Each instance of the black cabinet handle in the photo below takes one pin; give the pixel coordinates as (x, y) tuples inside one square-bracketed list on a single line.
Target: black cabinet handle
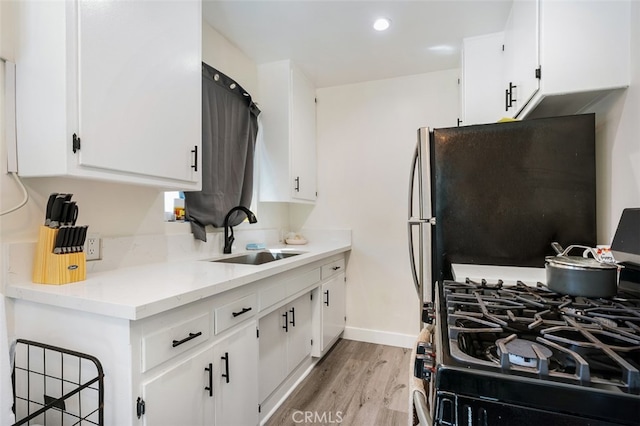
[(226, 365), (186, 339), (243, 311), (210, 387), (506, 99), (293, 316), (286, 322), (297, 188), (335, 268), (326, 293), (511, 98), (194, 166)]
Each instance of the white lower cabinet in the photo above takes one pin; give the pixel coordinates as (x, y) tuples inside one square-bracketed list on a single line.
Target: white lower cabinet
[(213, 386), (285, 341), (179, 395), (209, 362), (329, 308), (333, 310)]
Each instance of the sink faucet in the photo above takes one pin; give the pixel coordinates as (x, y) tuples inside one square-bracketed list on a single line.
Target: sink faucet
[(228, 239)]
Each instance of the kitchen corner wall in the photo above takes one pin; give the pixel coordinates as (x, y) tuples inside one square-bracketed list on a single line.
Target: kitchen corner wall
[(618, 144), (366, 138)]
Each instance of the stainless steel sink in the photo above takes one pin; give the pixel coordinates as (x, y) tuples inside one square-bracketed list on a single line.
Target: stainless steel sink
[(257, 258)]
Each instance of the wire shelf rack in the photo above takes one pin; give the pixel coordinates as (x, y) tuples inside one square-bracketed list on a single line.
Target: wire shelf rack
[(54, 386)]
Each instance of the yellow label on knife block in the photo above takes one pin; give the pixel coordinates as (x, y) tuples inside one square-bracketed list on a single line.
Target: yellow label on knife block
[(50, 268)]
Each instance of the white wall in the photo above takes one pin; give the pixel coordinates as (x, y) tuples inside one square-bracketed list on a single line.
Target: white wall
[(366, 138), (618, 144)]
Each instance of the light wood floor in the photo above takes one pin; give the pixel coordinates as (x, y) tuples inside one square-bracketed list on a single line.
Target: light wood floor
[(357, 383)]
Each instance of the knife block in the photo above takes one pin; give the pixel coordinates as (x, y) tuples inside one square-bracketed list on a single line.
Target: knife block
[(50, 268)]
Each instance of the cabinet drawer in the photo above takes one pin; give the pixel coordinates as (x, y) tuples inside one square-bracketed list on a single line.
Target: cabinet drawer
[(271, 295), (302, 282), (164, 344), (235, 312), (332, 268)]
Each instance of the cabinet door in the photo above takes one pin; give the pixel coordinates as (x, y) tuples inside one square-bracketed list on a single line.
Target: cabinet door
[(139, 87), (482, 79), (299, 331), (178, 395), (333, 309), (273, 351), (235, 387), (303, 137), (521, 48)]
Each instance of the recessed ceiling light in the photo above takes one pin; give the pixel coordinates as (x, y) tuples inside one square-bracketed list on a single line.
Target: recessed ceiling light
[(381, 24)]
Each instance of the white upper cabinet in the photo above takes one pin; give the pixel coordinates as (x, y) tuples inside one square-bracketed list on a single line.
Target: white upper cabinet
[(482, 68), (581, 49), (288, 122), (124, 77), (521, 60)]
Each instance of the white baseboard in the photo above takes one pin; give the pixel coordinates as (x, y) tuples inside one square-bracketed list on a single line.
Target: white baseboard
[(380, 337)]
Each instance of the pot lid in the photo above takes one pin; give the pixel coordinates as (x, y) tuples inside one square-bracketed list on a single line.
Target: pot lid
[(579, 262)]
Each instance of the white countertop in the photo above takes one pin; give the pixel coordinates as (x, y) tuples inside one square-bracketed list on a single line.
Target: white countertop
[(141, 291)]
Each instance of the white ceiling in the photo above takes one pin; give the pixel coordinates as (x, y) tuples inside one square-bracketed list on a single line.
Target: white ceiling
[(333, 42)]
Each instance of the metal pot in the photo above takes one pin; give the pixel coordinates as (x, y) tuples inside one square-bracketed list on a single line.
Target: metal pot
[(580, 275)]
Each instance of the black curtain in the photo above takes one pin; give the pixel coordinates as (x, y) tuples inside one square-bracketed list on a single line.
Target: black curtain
[(229, 130)]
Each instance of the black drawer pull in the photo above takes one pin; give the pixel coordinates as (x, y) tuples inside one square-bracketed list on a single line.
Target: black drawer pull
[(326, 293), (293, 316), (210, 387), (335, 268), (186, 339), (243, 311), (286, 322)]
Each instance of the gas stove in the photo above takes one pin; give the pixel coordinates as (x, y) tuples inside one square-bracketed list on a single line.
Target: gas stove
[(522, 354), (534, 332)]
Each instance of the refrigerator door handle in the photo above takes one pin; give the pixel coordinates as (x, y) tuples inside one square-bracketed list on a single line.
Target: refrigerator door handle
[(412, 257)]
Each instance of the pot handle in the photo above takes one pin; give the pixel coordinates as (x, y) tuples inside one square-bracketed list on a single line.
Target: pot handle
[(586, 251)]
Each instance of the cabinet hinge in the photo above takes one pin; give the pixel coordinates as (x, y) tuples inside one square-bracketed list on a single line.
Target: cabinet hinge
[(140, 407), (539, 73), (75, 143)]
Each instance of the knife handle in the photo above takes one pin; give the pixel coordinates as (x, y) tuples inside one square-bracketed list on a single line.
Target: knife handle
[(65, 213), (52, 198), (83, 236), (60, 237), (56, 211)]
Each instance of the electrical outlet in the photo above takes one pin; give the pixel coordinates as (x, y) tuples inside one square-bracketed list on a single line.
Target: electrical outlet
[(92, 247)]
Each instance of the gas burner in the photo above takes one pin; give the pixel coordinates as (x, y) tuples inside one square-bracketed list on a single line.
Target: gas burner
[(521, 352)]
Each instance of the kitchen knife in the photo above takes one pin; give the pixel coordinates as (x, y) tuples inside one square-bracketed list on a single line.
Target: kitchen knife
[(67, 240), (64, 213), (83, 236), (69, 213), (56, 211), (73, 240), (52, 198), (60, 237)]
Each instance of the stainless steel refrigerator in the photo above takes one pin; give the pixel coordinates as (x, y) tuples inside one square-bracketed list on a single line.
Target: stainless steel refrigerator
[(500, 194)]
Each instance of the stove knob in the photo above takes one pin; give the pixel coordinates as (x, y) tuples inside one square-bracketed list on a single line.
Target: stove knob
[(428, 313), (424, 348), (424, 366)]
